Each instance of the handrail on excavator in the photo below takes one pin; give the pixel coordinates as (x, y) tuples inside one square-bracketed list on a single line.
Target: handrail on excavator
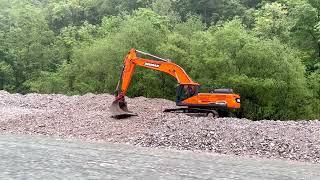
[(151, 55)]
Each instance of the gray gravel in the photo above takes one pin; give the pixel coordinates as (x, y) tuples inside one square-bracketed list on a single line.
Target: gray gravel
[(87, 117)]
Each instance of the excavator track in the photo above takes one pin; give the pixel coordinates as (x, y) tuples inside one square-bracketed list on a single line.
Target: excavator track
[(194, 112)]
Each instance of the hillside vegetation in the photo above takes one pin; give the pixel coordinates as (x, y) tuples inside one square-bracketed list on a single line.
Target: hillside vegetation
[(267, 51)]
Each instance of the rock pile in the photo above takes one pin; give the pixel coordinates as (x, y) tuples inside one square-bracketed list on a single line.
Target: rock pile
[(87, 117)]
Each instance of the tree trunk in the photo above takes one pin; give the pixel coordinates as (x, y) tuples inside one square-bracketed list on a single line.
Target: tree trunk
[(316, 40), (318, 49)]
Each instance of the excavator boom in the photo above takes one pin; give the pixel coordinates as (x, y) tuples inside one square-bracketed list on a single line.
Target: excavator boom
[(159, 64)]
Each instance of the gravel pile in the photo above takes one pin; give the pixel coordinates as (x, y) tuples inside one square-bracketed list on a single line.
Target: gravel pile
[(87, 117)]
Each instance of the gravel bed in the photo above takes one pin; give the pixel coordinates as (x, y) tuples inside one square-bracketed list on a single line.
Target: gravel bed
[(87, 117)]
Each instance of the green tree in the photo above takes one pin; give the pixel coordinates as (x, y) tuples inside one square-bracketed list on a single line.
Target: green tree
[(210, 10), (262, 71), (314, 84), (28, 42), (95, 67), (272, 21), (304, 32), (6, 76)]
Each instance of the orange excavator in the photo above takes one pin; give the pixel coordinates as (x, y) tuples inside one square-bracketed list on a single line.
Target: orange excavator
[(188, 95)]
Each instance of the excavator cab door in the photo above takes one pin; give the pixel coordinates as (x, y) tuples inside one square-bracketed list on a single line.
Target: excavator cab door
[(185, 91)]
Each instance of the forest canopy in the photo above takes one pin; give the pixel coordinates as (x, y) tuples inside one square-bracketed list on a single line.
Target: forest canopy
[(268, 51)]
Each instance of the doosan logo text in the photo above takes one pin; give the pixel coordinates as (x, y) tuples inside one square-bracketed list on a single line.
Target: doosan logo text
[(152, 65)]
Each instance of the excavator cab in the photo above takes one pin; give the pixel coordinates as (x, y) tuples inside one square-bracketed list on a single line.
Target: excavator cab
[(185, 91)]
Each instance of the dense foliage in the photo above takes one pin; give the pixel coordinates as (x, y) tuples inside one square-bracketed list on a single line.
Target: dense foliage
[(266, 50)]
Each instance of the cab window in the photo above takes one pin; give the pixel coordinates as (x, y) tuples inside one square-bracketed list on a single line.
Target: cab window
[(186, 91)]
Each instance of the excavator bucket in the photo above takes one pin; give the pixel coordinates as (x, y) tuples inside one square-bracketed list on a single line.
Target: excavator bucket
[(119, 110)]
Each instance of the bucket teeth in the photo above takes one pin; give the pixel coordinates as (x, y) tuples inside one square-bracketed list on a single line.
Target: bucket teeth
[(119, 110)]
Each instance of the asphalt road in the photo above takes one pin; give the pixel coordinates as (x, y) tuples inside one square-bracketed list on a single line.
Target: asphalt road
[(27, 157)]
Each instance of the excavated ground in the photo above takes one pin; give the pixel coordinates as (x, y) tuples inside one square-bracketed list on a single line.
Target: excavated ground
[(87, 117)]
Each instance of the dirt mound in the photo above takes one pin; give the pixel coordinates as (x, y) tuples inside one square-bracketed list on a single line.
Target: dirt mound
[(88, 117)]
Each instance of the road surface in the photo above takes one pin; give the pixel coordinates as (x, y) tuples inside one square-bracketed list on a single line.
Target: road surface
[(29, 157)]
